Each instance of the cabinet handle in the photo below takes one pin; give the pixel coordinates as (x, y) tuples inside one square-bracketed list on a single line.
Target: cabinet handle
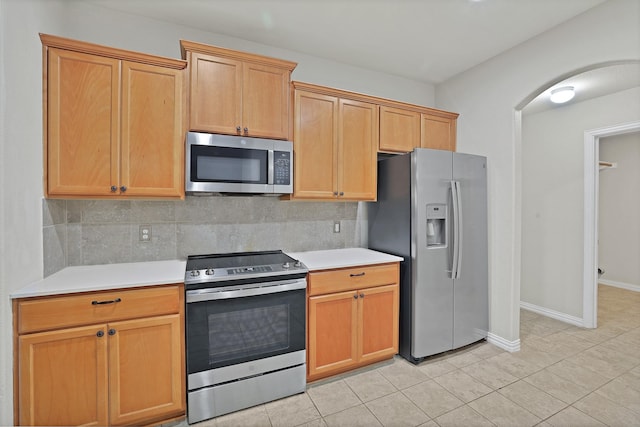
[(355, 296), (112, 331), (341, 193), (100, 334), (335, 193), (246, 131), (112, 301), (238, 129), (114, 188), (358, 274), (123, 188), (361, 295)]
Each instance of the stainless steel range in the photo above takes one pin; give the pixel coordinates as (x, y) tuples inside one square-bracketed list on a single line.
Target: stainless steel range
[(245, 331)]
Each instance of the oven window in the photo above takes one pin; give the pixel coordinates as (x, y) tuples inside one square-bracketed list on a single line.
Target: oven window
[(230, 331), (247, 333), (222, 164)]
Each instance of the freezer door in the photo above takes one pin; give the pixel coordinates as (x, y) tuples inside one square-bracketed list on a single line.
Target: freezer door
[(471, 306), (432, 286)]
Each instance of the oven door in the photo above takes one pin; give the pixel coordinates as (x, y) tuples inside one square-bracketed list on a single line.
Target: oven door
[(236, 326)]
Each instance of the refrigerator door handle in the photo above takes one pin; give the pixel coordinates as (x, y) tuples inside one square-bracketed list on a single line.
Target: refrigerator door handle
[(459, 228), (456, 236)]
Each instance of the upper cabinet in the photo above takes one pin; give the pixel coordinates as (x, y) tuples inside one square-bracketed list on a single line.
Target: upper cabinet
[(404, 127), (438, 131), (335, 145), (337, 136), (238, 93), (114, 122), (399, 129)]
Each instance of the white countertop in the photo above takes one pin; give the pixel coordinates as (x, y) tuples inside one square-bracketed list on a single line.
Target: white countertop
[(138, 274), (104, 277), (340, 258)]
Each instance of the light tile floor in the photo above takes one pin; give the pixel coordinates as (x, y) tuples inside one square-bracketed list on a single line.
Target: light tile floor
[(563, 376)]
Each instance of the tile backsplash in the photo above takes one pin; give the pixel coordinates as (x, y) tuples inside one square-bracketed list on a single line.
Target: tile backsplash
[(86, 232)]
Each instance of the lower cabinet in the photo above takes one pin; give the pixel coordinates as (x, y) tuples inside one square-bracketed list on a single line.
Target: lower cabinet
[(118, 372), (64, 377), (353, 318), (144, 369)]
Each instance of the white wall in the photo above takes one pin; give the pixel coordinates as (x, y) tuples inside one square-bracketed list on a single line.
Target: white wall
[(5, 315), (619, 211), (486, 97), (21, 119), (553, 197)]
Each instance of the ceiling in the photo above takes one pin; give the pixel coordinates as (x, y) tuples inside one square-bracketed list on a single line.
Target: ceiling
[(423, 40)]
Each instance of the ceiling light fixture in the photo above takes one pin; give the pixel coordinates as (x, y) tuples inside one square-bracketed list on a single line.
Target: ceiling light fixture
[(562, 94)]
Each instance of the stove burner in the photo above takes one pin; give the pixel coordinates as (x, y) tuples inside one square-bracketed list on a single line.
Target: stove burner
[(232, 266)]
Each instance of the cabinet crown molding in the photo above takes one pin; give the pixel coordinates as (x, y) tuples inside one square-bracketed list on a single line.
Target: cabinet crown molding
[(110, 52), (309, 87), (189, 46)]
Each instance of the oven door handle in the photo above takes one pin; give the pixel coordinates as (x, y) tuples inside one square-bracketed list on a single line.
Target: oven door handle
[(199, 295)]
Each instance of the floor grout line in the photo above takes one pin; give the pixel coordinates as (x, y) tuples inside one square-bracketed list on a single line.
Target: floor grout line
[(552, 338)]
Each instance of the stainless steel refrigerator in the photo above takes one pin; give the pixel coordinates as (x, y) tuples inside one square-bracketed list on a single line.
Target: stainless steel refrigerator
[(432, 211)]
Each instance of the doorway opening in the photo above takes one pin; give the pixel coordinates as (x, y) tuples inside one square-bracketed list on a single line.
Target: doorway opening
[(591, 191)]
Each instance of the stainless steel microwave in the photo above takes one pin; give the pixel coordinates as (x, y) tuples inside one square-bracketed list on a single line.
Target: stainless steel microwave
[(235, 164)]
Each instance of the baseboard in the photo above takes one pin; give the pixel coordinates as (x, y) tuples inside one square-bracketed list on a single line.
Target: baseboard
[(510, 346), (622, 285), (566, 318)]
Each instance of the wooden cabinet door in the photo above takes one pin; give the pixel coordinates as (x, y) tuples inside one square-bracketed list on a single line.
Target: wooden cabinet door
[(357, 154), (399, 130), (314, 146), (265, 101), (438, 132), (82, 123), (63, 377), (145, 365), (216, 94), (332, 333), (378, 322), (152, 141)]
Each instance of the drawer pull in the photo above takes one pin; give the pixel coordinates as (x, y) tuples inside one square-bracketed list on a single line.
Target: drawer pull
[(112, 301), (358, 275), (361, 295), (100, 334), (112, 332)]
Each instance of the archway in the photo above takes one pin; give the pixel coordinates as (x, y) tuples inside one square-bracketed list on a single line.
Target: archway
[(586, 275)]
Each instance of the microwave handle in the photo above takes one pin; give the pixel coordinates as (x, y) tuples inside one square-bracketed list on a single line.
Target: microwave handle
[(270, 168)]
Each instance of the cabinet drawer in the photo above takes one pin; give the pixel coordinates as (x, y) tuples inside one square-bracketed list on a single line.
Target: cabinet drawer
[(345, 279), (39, 314)]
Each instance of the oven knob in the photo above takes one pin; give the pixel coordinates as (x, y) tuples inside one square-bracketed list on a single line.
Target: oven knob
[(195, 273), (297, 264), (286, 265), (209, 272)]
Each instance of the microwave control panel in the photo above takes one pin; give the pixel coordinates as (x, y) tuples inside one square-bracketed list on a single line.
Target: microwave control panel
[(282, 167)]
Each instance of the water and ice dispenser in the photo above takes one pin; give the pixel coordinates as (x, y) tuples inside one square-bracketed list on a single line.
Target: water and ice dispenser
[(436, 225)]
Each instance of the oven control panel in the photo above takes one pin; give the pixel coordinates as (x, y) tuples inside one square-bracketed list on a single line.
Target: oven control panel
[(245, 270), (244, 266)]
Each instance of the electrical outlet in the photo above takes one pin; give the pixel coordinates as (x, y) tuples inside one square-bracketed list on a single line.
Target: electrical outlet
[(336, 226), (144, 234)]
